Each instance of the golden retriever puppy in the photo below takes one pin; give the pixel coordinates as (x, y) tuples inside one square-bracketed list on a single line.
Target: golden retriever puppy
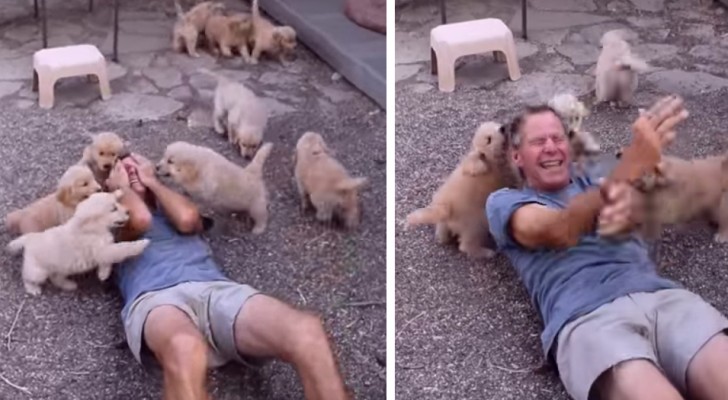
[(457, 208), (75, 185), (225, 33), (84, 243), (101, 155), (324, 183), (276, 41), (572, 111), (189, 25), (212, 179), (240, 113), (683, 191), (617, 69)]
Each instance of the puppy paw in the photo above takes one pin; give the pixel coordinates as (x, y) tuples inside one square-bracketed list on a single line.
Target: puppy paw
[(66, 285), (481, 253), (258, 229), (32, 289), (253, 61), (721, 237), (104, 273)]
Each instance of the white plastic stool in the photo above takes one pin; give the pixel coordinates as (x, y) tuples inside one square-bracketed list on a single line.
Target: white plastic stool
[(450, 41), (52, 64)]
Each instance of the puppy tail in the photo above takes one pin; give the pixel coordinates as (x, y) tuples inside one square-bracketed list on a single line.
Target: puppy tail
[(255, 11), (17, 245), (256, 165), (180, 11), (429, 215), (351, 184), (630, 61)]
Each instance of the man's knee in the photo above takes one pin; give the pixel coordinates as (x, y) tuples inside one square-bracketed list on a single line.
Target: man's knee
[(635, 379), (183, 353), (308, 333)]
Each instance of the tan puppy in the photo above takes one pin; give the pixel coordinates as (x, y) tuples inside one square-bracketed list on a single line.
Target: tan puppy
[(277, 41), (101, 155), (457, 208), (225, 33), (189, 25), (83, 243), (687, 190), (617, 69), (224, 186), (75, 185), (240, 113), (324, 183)]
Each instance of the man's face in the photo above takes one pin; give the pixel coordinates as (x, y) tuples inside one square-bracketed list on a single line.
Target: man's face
[(543, 154)]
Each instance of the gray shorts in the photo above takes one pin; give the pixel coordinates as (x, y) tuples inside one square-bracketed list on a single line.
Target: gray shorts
[(212, 307), (649, 326)]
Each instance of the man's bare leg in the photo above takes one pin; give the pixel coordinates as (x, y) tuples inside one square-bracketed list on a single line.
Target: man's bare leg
[(266, 327), (635, 380), (181, 350), (707, 375)]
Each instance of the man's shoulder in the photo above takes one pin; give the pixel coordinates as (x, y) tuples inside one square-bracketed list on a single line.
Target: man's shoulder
[(505, 196)]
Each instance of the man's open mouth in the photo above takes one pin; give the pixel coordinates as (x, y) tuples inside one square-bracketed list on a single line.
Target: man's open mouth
[(551, 164)]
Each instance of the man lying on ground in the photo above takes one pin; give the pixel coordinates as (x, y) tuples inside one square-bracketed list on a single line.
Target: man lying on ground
[(615, 329)]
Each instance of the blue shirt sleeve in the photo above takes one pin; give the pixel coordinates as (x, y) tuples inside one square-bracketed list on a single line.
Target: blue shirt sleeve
[(499, 209)]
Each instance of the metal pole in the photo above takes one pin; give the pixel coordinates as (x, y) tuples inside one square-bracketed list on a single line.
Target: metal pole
[(442, 11), (90, 5), (45, 26), (116, 31), (523, 17), (35, 8)]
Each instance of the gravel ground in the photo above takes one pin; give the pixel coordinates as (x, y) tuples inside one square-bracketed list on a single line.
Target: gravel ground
[(466, 329), (71, 345)]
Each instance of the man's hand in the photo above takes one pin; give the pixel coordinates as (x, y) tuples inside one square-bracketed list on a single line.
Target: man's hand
[(118, 178), (662, 117), (145, 169), (622, 211)]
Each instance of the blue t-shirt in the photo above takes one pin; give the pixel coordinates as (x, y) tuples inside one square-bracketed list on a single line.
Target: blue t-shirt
[(566, 284), (169, 259)]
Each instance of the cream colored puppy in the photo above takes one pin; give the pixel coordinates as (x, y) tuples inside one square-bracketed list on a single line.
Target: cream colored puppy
[(240, 113), (83, 243), (75, 185), (189, 25), (572, 111), (225, 33), (101, 155), (617, 69), (457, 207), (324, 183), (212, 179), (276, 41), (683, 191)]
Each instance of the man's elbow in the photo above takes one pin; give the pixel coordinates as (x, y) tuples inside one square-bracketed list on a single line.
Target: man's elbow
[(140, 222), (190, 222)]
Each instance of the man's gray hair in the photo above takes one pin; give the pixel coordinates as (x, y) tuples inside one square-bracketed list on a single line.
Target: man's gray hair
[(514, 128)]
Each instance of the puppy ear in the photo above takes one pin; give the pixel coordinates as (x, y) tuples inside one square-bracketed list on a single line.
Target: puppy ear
[(64, 196), (86, 155), (351, 184), (475, 163)]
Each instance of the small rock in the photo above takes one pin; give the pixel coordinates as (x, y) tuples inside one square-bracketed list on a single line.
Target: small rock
[(335, 76)]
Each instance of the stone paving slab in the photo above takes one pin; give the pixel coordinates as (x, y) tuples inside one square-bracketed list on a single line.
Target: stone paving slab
[(357, 53)]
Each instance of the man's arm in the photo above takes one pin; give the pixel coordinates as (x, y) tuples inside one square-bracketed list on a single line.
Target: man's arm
[(183, 213)]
